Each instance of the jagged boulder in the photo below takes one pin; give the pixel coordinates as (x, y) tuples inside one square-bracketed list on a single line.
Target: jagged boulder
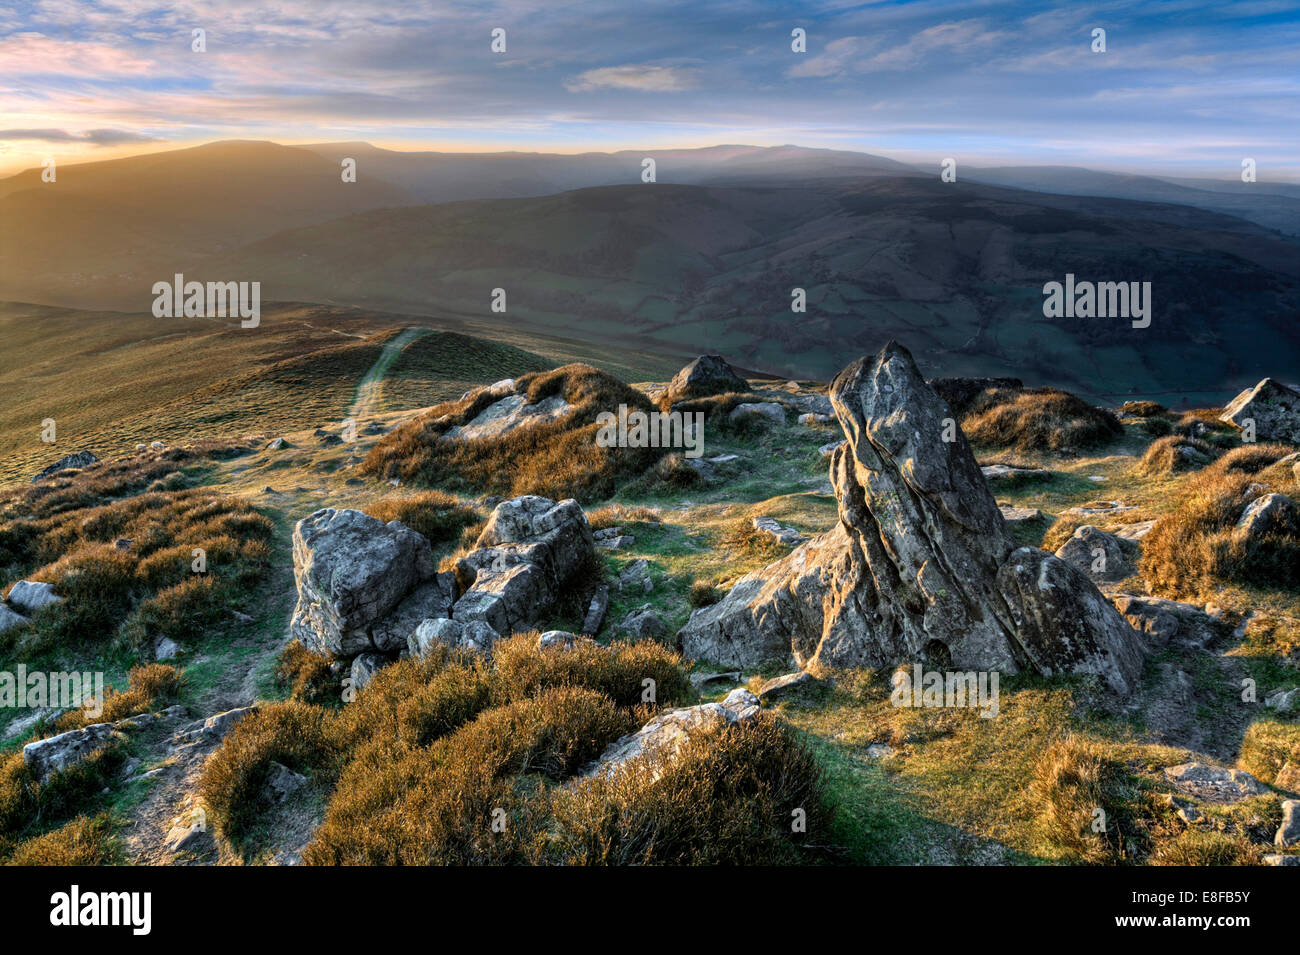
[(668, 732), (706, 375), (1101, 555), (80, 459), (1273, 406), (530, 550), (46, 757), (363, 585), (29, 596), (920, 566)]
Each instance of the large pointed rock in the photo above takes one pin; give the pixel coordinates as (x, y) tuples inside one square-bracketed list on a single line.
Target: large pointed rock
[(1272, 406), (920, 566)]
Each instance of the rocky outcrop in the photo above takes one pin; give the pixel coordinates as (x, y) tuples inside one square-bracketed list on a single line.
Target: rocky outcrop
[(362, 583), (668, 732), (9, 619), (920, 566), (706, 375), (81, 459), (770, 413), (1100, 555), (1213, 783), (511, 412), (29, 596), (1164, 622), (530, 550), (1273, 406), (48, 756)]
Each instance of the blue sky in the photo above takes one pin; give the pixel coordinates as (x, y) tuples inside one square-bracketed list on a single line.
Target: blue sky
[(1184, 87)]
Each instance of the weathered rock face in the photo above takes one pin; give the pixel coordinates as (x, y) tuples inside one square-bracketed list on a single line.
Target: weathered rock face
[(29, 596), (529, 550), (81, 459), (9, 619), (509, 413), (707, 375), (48, 756), (1100, 555), (920, 566), (354, 571), (668, 732), (1274, 407)]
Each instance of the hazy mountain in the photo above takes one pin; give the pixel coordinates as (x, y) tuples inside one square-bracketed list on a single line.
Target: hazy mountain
[(953, 270), (1270, 204)]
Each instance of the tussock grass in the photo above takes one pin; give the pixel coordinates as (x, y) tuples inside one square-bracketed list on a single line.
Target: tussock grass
[(618, 671), (307, 675), (1143, 409), (86, 840), (1268, 746), (1197, 847), (1037, 419), (439, 516), (1197, 546), (29, 809), (65, 536), (728, 797), (557, 459), (1073, 780), (150, 687), (1251, 459), (1174, 454)]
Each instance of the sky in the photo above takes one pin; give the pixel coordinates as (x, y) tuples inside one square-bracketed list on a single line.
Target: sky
[(1184, 87)]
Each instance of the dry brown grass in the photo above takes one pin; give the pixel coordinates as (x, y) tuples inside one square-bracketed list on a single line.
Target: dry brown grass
[(86, 840), (730, 796), (1268, 746), (1197, 545), (1086, 803), (440, 517), (29, 809), (557, 459), (307, 675), (1251, 459), (150, 687), (1172, 455), (1196, 847), (1038, 419), (65, 535), (1142, 409)]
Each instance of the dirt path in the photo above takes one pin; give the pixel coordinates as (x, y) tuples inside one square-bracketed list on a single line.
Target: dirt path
[(369, 386)]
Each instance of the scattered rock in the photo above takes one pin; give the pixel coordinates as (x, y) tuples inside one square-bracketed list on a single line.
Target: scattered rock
[(1279, 859), (1006, 473), (469, 635), (1098, 509), (166, 649), (528, 552), (810, 418), (184, 838), (644, 624), (699, 680), (920, 564), (784, 535), (830, 448), (1135, 532), (28, 596), (1213, 783), (365, 666), (352, 571), (1162, 622), (282, 782), (511, 412), (1272, 513), (48, 756), (706, 375), (1019, 516), (636, 576), (123, 543), (771, 412), (76, 461), (275, 444), (1288, 834), (665, 735), (157, 445), (1100, 555), (615, 541), (1273, 406), (881, 751), (596, 611), (783, 686)]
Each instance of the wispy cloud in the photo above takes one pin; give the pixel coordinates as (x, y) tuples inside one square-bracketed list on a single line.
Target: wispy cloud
[(646, 78)]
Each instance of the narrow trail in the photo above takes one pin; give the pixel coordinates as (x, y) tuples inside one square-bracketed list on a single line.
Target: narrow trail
[(368, 387)]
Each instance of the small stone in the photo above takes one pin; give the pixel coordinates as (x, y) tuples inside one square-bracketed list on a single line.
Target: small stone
[(1288, 834)]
